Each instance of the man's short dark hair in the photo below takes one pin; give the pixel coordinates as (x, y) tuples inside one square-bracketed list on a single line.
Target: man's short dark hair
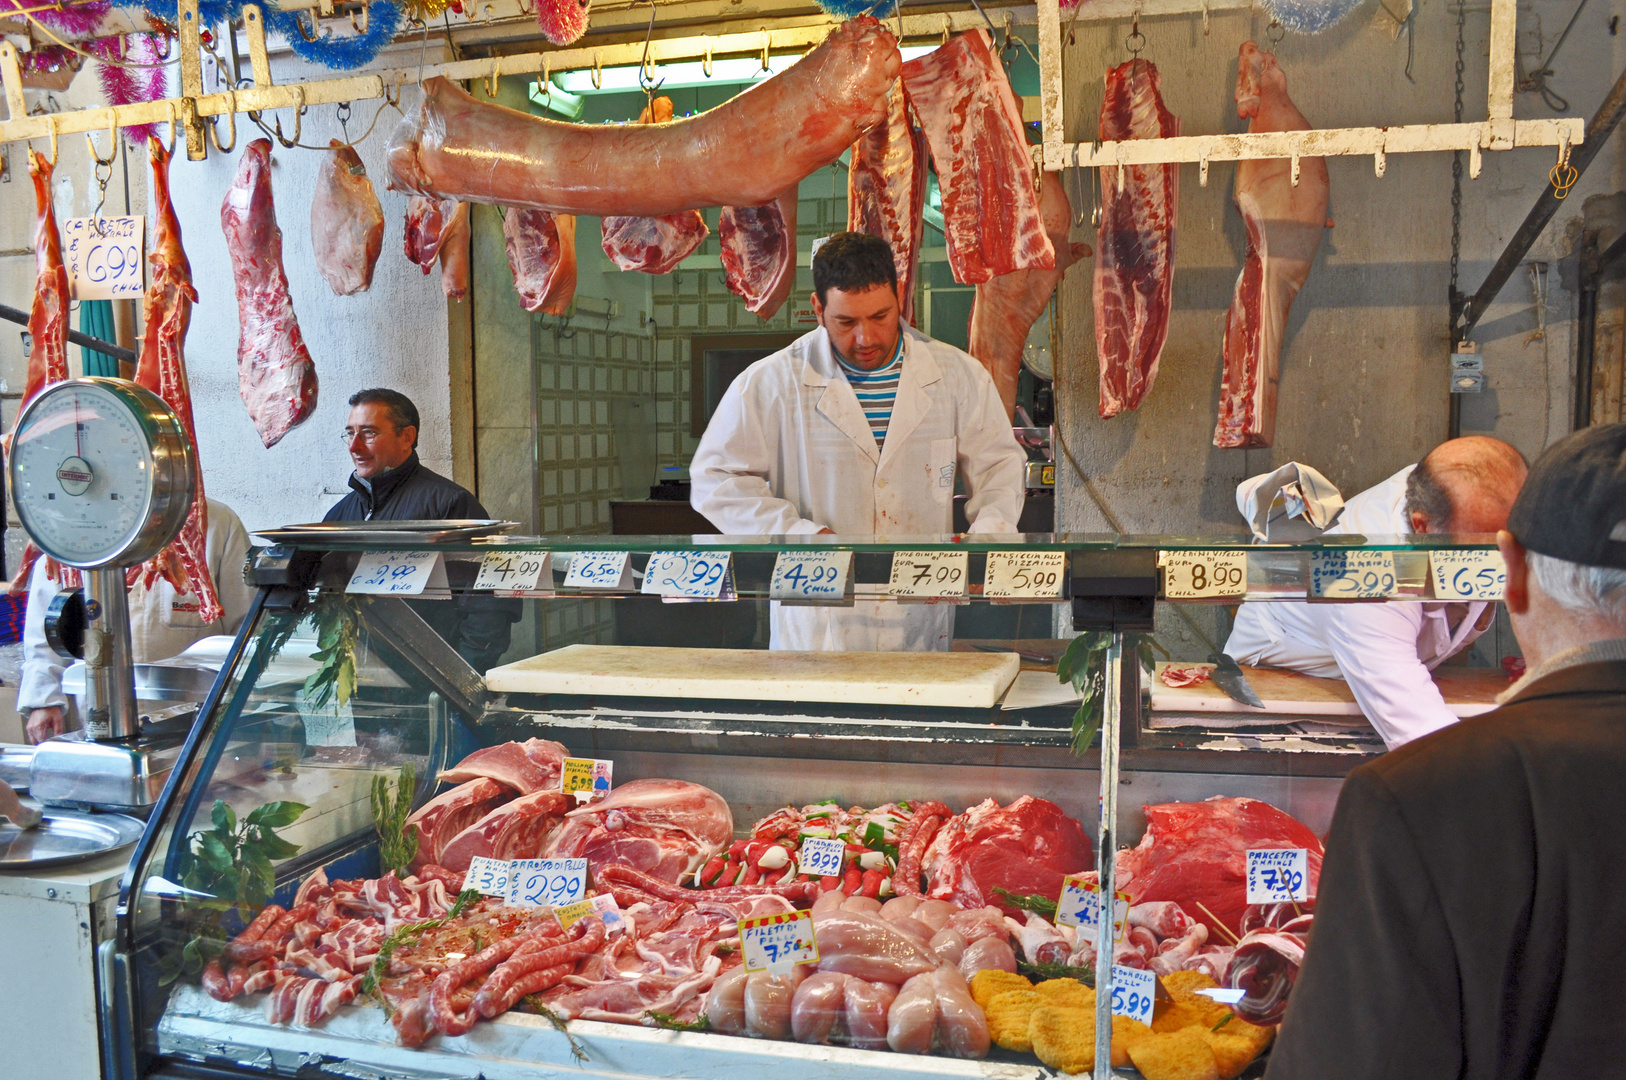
[(853, 262), (1427, 496), (401, 410)]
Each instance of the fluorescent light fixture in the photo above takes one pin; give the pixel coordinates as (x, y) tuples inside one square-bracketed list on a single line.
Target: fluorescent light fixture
[(555, 100), (685, 73)]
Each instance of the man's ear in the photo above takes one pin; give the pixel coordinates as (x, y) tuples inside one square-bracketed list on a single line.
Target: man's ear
[(818, 308), (1517, 593), (1419, 522)]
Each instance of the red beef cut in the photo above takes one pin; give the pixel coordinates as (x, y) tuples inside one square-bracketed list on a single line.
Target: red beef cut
[(1027, 847), (449, 813), (527, 767)]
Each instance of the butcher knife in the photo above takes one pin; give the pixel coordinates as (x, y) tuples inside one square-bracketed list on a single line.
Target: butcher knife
[(1227, 675)]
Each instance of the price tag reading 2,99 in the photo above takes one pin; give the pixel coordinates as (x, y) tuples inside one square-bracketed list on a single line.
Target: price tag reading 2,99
[(1352, 575), (928, 575), (1133, 991), (397, 573), (698, 575), (778, 942), (811, 576), (1277, 875), (512, 572), (1024, 575), (1194, 575), (546, 882), (1468, 575)]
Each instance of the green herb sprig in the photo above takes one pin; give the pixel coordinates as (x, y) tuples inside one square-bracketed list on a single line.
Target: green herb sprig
[(1028, 902), (672, 1023), (397, 844), (1084, 665), (1055, 971), (408, 935)]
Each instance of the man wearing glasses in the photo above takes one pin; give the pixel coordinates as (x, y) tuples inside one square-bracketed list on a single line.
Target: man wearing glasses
[(390, 484)]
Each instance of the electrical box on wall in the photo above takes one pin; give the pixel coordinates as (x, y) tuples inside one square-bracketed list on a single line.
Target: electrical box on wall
[(1467, 369)]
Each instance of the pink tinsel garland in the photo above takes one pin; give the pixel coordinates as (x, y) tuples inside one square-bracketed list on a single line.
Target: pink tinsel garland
[(77, 20), (125, 85)]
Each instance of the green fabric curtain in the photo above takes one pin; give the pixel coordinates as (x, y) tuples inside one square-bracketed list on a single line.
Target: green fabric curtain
[(96, 319)]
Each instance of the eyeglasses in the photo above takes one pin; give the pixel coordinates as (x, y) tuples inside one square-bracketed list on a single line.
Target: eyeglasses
[(366, 435)]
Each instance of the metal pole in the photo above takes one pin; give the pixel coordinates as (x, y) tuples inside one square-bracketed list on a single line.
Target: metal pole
[(110, 706), (1586, 330), (118, 352), (1105, 853)]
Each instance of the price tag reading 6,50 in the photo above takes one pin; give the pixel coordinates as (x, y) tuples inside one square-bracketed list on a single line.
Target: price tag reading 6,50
[(546, 882), (1277, 875), (779, 942), (599, 570), (1468, 575), (1133, 991)]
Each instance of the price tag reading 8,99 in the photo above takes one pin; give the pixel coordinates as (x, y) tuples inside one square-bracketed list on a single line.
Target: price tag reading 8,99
[(512, 572), (699, 575), (1277, 875), (1352, 575), (811, 576), (928, 575), (1024, 575), (1133, 991), (1193, 575), (779, 942), (1468, 575), (546, 882)]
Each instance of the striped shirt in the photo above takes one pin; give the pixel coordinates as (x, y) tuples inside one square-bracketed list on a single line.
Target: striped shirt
[(876, 389)]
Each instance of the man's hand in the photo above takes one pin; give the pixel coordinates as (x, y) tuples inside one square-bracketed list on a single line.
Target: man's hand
[(44, 723)]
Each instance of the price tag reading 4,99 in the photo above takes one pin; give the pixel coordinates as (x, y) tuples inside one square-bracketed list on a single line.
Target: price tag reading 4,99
[(1468, 575), (1352, 575), (1080, 906), (1024, 575), (928, 575), (512, 571), (811, 575), (1193, 575), (1133, 991), (1277, 875), (546, 882), (779, 942)]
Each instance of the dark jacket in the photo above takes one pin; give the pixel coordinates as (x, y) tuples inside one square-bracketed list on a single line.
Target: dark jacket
[(477, 626), (1471, 920)]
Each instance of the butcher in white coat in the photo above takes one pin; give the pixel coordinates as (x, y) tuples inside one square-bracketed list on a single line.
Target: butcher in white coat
[(859, 428), (1386, 651)]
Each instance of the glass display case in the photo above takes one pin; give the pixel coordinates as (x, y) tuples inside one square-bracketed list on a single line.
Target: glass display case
[(304, 886)]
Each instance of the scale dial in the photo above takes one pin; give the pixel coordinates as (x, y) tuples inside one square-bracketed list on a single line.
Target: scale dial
[(101, 472)]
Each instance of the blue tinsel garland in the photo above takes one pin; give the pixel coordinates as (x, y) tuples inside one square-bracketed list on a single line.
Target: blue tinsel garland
[(847, 9), (331, 50), (1309, 16)]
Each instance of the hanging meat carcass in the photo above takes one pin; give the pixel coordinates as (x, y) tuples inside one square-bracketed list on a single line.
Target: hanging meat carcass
[(758, 246), (347, 223), (166, 312), (1284, 220), (984, 169), (657, 243), (542, 255), (275, 374), (454, 255), (425, 224), (1006, 307), (886, 190), (1134, 249), (742, 153)]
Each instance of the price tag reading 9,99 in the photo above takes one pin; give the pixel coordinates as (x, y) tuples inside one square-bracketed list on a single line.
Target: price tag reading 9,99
[(1024, 575), (546, 882), (1080, 906), (811, 576), (820, 856), (698, 575), (105, 257), (1133, 991), (397, 573), (1468, 575), (928, 575), (779, 942), (513, 572), (1352, 575), (489, 876), (1194, 575), (1277, 875), (609, 570)]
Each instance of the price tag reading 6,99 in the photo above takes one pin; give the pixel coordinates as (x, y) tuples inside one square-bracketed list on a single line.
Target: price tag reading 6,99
[(1193, 575), (104, 257), (928, 575), (546, 882), (779, 942), (1133, 991), (1277, 875)]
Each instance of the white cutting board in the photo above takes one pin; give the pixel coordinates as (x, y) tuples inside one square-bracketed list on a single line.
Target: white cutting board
[(965, 680)]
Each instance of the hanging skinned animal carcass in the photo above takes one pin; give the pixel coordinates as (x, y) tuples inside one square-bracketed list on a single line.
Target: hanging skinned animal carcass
[(758, 246), (974, 128), (1284, 220), (439, 229), (454, 255), (542, 255), (886, 191), (347, 223), (1134, 249), (1006, 307), (166, 311), (275, 374), (742, 153), (655, 244)]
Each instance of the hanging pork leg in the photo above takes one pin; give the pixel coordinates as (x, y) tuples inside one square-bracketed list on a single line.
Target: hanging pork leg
[(347, 223), (542, 254), (758, 245)]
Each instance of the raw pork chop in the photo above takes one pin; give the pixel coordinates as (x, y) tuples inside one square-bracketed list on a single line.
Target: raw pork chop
[(1195, 853), (347, 224), (1026, 847), (530, 766), (519, 829), (665, 828), (449, 813), (1284, 231), (1134, 248), (886, 190), (542, 255), (654, 245), (758, 246), (274, 371), (974, 128)]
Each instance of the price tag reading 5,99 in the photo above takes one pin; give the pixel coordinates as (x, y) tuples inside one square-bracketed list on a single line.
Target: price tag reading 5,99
[(1133, 991), (779, 942), (1193, 575), (928, 575), (1277, 875), (811, 575), (512, 571), (1468, 575), (1352, 575), (546, 882), (1024, 575)]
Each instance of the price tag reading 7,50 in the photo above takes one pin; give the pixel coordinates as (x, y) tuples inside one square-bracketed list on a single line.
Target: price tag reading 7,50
[(1468, 575), (1080, 906), (1277, 875), (1133, 991), (1352, 575), (513, 572), (699, 575), (811, 576), (779, 942), (397, 573), (1193, 575), (928, 575), (546, 882), (1024, 575), (599, 570)]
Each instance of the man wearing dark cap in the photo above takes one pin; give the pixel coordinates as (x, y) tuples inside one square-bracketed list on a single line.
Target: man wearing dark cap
[(1471, 920)]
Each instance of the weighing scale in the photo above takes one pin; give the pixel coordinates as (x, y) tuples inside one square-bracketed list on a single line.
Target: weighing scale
[(103, 477)]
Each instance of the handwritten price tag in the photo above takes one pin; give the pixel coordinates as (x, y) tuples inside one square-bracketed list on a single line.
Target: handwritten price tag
[(586, 777), (1468, 575), (106, 264), (698, 575), (1080, 906), (1276, 875), (1025, 575), (513, 572), (928, 575), (546, 882), (397, 573), (821, 857), (1194, 575), (811, 575), (778, 943), (490, 876), (1133, 991), (599, 570), (1352, 575), (603, 905)]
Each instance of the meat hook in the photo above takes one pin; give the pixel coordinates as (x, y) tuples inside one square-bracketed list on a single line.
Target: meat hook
[(1476, 161), (299, 113), (767, 39), (50, 123), (1136, 41), (1205, 18), (493, 78), (1274, 33), (1295, 172), (598, 72), (705, 63), (1380, 160), (112, 143), (103, 171), (947, 24), (1202, 171), (231, 121), (174, 123), (1563, 175), (366, 18), (299, 24), (646, 70)]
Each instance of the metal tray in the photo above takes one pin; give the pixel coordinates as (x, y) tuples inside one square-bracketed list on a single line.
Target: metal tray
[(388, 532), (65, 836)]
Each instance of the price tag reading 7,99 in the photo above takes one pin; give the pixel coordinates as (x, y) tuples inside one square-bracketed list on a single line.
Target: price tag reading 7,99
[(811, 576), (1133, 991), (513, 572), (609, 570), (698, 575), (1080, 906), (1024, 575), (546, 882), (1352, 575), (1468, 575), (928, 575), (779, 942), (397, 573), (1193, 575), (1277, 875)]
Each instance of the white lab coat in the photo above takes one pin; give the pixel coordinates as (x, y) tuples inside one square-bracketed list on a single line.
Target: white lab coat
[(788, 452), (162, 624), (1385, 651)]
